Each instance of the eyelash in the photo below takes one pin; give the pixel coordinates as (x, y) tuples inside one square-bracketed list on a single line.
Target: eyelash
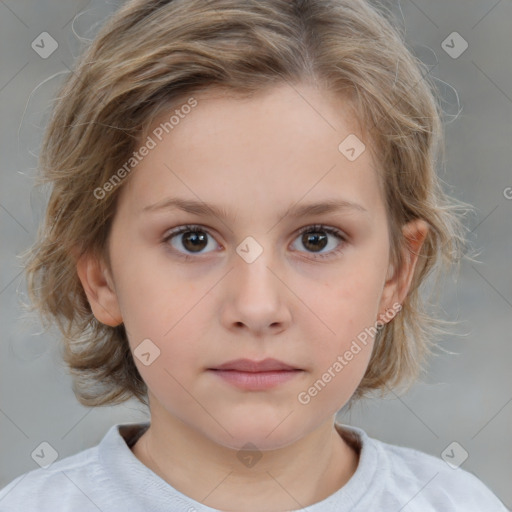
[(194, 228)]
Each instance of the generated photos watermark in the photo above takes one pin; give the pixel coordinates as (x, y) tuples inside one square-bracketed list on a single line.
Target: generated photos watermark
[(150, 143), (304, 397)]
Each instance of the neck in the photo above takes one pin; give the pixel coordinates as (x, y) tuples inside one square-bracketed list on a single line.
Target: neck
[(322, 462)]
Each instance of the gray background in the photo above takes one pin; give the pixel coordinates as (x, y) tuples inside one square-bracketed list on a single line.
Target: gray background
[(466, 397)]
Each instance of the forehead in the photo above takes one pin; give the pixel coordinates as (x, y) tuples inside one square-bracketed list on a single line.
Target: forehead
[(280, 146)]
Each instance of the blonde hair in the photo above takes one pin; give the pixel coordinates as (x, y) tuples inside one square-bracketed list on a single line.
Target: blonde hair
[(153, 54)]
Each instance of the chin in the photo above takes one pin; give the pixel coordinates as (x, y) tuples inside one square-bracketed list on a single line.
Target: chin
[(261, 432)]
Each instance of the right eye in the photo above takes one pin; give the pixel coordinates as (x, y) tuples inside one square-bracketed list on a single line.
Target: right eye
[(189, 239)]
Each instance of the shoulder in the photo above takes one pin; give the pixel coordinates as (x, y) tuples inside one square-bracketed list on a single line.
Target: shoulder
[(71, 483), (44, 489), (409, 478)]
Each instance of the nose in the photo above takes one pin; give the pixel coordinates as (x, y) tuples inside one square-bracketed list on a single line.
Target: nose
[(256, 297)]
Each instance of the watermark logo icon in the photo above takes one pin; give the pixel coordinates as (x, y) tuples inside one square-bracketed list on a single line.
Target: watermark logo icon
[(44, 45), (454, 455), (45, 455), (249, 249), (454, 45), (249, 455), (146, 352), (352, 147)]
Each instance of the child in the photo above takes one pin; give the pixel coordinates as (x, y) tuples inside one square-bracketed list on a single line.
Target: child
[(260, 128)]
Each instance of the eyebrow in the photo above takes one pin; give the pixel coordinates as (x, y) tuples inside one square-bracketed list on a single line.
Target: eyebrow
[(297, 211)]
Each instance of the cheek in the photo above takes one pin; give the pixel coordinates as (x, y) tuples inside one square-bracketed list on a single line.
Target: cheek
[(349, 303), (335, 381), (165, 308), (348, 306), (154, 294), (342, 355)]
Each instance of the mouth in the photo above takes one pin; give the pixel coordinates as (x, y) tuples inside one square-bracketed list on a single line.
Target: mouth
[(256, 375)]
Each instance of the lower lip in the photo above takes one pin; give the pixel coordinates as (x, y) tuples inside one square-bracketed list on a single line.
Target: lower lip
[(256, 381)]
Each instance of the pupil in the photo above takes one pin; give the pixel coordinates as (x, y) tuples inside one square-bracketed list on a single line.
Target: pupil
[(315, 238), (193, 240)]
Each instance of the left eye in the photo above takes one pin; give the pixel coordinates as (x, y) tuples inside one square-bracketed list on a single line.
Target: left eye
[(194, 240), (316, 238)]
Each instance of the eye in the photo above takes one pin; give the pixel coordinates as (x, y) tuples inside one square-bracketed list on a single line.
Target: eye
[(193, 239), (316, 238)]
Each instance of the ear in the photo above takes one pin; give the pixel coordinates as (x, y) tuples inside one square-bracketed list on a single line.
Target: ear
[(99, 288), (399, 281)]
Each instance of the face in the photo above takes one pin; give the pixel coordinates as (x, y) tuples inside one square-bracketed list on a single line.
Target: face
[(249, 281)]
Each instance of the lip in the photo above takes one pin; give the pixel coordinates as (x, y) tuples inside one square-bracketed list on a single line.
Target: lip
[(248, 365), (256, 375)]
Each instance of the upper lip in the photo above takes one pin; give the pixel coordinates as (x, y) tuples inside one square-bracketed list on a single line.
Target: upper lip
[(248, 365)]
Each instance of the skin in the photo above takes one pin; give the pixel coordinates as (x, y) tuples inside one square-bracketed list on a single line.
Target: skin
[(254, 157)]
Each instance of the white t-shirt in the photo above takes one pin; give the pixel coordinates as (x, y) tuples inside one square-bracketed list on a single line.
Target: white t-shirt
[(109, 478)]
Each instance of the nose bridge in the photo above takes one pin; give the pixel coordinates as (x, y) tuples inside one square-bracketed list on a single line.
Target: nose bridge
[(256, 294), (253, 263)]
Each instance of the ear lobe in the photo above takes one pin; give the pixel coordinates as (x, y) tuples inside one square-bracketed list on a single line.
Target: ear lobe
[(98, 286), (398, 283)]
